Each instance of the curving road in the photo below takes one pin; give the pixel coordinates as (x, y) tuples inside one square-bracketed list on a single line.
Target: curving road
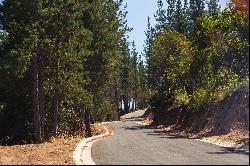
[(132, 144)]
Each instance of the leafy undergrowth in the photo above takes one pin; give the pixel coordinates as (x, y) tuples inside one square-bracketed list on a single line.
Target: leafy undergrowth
[(56, 151)]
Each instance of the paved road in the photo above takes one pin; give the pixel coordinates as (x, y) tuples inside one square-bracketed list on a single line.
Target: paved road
[(132, 144)]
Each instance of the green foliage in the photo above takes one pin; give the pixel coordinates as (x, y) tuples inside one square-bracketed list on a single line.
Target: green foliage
[(195, 72), (74, 57), (172, 57), (161, 17), (213, 8), (77, 47)]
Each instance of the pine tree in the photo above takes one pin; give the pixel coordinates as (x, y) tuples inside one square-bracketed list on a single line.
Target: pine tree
[(150, 35), (70, 54), (171, 14), (135, 76), (22, 47), (143, 89), (180, 21), (66, 56), (108, 24), (186, 17), (196, 8), (213, 8), (160, 17), (45, 50), (125, 75)]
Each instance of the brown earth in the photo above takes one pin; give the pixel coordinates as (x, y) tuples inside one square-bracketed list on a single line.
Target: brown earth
[(226, 120), (56, 151)]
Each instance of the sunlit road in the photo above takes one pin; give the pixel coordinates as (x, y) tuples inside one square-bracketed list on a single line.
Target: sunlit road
[(132, 144)]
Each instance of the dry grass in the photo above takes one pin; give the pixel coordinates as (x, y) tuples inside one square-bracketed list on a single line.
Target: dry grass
[(56, 151)]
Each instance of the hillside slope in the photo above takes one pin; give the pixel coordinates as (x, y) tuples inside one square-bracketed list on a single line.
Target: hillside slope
[(227, 119)]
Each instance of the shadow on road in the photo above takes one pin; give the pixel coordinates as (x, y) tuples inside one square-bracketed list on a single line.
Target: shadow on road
[(225, 150), (153, 131), (135, 128), (139, 118)]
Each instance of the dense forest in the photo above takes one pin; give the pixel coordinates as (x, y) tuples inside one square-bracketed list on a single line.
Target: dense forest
[(66, 64), (63, 65)]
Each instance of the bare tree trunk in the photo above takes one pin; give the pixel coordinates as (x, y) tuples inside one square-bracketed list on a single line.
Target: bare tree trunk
[(35, 100), (82, 122), (56, 102), (55, 114), (129, 105), (41, 94), (35, 86), (135, 105), (87, 124), (126, 106), (118, 110), (118, 114), (117, 105)]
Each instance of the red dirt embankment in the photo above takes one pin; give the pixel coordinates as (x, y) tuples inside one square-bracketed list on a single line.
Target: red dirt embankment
[(226, 120)]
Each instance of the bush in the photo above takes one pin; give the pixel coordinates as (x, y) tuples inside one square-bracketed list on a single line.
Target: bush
[(172, 57)]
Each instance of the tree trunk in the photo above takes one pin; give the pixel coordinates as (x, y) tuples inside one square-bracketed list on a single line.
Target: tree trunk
[(37, 87), (82, 122), (55, 114), (41, 94), (87, 124), (118, 114), (126, 106), (35, 101), (56, 102), (118, 110), (117, 105), (129, 105), (135, 107)]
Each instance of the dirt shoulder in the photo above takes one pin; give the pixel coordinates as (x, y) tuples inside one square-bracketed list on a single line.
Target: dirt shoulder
[(56, 151)]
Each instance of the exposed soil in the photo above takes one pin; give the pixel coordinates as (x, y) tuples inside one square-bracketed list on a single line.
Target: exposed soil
[(56, 151), (227, 120)]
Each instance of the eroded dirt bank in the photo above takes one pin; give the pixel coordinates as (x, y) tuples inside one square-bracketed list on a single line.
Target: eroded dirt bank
[(227, 120)]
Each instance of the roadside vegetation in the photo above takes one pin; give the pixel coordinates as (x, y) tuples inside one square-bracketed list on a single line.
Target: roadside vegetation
[(66, 64), (197, 57)]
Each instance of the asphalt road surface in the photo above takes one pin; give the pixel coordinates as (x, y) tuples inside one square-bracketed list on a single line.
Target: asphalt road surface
[(133, 144)]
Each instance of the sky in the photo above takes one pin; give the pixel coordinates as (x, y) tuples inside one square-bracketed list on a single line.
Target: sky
[(138, 12)]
